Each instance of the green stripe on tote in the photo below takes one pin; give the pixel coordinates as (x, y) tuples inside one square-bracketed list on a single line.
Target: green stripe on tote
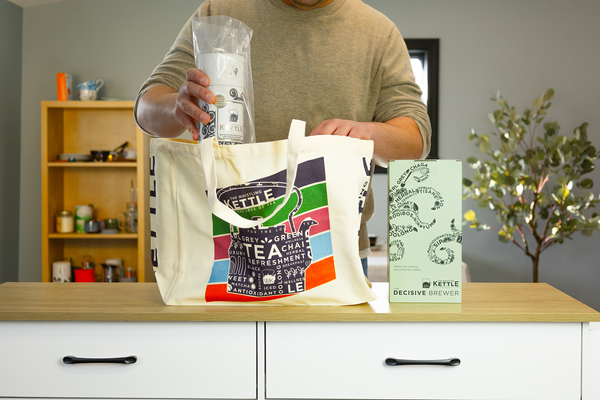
[(313, 197)]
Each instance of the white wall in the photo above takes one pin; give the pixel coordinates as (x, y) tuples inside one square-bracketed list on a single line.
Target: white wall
[(520, 47)]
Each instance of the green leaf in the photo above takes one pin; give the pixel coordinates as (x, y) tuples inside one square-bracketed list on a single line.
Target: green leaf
[(467, 182), (485, 146), (586, 184), (587, 232), (473, 161), (549, 94), (563, 192), (498, 115), (587, 166), (591, 151)]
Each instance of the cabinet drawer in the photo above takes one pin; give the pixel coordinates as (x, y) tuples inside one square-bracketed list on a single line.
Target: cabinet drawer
[(497, 360), (174, 359)]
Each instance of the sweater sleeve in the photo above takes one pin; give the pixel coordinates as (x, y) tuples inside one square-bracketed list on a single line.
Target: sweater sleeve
[(399, 95), (180, 57)]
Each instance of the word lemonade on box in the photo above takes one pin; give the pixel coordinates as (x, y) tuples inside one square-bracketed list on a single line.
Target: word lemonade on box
[(424, 236)]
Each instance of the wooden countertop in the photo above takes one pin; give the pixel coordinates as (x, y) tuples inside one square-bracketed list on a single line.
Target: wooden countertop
[(142, 302)]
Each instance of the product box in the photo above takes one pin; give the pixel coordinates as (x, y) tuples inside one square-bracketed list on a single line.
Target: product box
[(424, 232), (64, 83)]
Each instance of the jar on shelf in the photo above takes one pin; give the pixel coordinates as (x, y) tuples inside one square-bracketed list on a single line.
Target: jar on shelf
[(65, 222)]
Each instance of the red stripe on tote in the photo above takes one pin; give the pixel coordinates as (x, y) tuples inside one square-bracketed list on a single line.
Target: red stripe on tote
[(222, 244), (218, 292), (321, 216)]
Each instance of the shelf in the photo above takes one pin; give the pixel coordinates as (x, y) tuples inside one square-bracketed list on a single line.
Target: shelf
[(90, 164), (92, 236), (79, 127), (102, 104)]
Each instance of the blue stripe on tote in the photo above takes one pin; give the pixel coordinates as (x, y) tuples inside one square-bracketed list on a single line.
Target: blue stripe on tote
[(321, 246), (219, 272)]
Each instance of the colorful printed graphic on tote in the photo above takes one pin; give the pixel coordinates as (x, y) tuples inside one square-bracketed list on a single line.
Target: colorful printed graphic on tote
[(290, 254)]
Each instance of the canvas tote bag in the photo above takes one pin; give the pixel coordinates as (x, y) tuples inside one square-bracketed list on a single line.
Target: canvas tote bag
[(271, 223)]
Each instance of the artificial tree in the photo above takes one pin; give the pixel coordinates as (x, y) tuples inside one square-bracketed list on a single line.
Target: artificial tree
[(533, 179)]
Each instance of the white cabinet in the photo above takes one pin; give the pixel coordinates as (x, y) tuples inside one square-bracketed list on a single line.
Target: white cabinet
[(215, 360), (512, 360), (514, 341)]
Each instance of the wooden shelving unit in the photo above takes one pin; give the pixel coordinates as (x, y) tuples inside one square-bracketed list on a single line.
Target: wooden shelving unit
[(79, 127)]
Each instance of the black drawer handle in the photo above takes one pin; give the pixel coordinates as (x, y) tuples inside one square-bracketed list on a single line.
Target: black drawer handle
[(114, 360), (451, 362)]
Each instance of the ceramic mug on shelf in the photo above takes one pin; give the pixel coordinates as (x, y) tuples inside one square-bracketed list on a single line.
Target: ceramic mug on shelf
[(83, 213), (61, 271), (111, 226), (89, 90), (91, 226)]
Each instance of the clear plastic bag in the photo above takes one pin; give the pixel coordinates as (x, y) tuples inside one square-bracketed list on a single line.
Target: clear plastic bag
[(222, 52)]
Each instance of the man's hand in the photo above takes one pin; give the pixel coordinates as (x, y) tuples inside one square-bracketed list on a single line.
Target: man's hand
[(186, 105), (344, 127), (396, 139), (167, 113)]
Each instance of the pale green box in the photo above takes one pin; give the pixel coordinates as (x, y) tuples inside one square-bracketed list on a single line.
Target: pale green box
[(424, 232)]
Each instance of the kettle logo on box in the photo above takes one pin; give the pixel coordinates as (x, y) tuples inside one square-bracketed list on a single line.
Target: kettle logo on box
[(226, 118), (434, 286), (290, 254)]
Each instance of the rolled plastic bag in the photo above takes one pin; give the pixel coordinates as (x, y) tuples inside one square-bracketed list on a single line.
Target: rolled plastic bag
[(222, 52)]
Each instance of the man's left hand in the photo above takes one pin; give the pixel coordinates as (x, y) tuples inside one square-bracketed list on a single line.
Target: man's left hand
[(398, 138), (344, 127)]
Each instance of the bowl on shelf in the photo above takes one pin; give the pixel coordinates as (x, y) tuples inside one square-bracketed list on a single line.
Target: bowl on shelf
[(100, 155), (72, 157)]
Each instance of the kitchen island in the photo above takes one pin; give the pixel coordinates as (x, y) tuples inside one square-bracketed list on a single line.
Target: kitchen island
[(118, 340)]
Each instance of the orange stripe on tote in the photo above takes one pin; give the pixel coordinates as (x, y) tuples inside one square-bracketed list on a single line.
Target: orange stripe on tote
[(320, 273)]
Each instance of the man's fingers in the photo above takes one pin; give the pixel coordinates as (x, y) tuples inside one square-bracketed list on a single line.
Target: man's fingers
[(197, 76), (193, 89), (331, 127)]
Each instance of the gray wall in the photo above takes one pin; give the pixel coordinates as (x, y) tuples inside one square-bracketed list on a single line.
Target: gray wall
[(11, 32), (520, 47)]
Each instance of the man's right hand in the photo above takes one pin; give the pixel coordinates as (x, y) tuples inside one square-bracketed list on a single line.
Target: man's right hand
[(167, 113), (186, 105)]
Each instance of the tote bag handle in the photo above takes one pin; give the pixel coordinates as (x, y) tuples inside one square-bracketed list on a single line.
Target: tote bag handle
[(219, 209)]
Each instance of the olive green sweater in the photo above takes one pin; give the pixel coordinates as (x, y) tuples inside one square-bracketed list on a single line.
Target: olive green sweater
[(345, 60)]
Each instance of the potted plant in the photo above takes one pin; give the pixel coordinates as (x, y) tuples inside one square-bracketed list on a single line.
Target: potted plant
[(533, 179)]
